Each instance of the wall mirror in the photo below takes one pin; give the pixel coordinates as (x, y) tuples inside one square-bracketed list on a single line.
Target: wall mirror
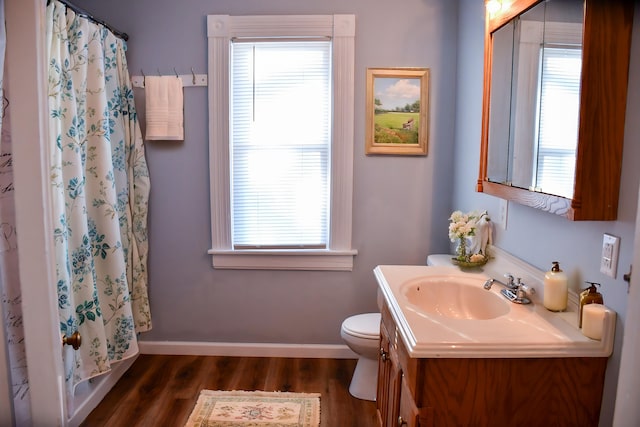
[(554, 100)]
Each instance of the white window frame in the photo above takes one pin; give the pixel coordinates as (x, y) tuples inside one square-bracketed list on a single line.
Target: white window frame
[(221, 30)]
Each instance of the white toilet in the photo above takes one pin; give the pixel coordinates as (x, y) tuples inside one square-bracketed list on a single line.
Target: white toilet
[(362, 334)]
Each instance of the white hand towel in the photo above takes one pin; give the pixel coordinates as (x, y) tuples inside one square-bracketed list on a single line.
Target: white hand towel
[(164, 108)]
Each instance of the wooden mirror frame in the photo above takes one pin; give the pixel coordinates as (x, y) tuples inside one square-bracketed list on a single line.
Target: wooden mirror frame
[(603, 95)]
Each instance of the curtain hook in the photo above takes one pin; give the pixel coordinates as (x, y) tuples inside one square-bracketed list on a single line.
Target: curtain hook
[(144, 78), (159, 75), (193, 73), (174, 70)]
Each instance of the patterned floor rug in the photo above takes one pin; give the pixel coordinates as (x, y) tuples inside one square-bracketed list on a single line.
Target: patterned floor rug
[(255, 409)]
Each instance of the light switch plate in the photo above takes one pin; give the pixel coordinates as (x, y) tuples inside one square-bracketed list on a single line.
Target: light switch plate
[(502, 215), (609, 260)]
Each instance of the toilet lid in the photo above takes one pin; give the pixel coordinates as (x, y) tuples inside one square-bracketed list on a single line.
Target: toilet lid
[(363, 325)]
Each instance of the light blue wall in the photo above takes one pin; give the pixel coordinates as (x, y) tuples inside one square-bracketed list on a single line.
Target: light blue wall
[(535, 236), (400, 203)]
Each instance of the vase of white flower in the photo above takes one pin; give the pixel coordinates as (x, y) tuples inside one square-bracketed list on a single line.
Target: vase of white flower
[(461, 249), (463, 226)]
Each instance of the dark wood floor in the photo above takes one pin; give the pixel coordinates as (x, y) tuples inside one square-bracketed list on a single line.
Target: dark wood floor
[(162, 390)]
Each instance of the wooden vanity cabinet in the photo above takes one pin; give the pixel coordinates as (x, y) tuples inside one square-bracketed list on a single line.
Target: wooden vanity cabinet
[(428, 392), (394, 401)]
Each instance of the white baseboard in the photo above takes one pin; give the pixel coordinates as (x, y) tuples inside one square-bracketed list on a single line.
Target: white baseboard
[(320, 351)]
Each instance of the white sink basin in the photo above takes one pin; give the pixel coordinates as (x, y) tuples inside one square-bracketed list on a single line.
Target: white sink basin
[(444, 312), (454, 296)]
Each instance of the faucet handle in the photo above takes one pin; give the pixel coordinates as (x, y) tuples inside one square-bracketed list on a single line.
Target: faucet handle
[(524, 289), (509, 278)]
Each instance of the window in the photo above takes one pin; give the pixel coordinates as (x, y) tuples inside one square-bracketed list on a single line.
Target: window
[(281, 141), (280, 144)]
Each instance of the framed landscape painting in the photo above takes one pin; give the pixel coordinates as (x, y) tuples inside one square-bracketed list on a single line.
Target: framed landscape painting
[(397, 107)]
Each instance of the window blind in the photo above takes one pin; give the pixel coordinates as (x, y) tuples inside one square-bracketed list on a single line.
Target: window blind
[(558, 119), (280, 113)]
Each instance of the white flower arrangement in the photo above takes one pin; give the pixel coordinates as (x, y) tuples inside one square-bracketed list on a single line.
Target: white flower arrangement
[(462, 226)]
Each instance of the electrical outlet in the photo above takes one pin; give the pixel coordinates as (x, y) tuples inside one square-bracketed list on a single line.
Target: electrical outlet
[(610, 249), (502, 215)]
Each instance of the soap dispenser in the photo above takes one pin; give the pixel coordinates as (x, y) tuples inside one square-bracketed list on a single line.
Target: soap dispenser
[(556, 289), (589, 295)]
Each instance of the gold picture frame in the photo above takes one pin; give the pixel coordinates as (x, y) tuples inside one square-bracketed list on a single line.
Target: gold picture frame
[(397, 111)]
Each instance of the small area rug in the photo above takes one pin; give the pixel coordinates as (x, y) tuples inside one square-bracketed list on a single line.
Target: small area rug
[(255, 408)]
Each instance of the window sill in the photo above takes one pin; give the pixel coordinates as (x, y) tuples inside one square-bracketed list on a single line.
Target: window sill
[(327, 260)]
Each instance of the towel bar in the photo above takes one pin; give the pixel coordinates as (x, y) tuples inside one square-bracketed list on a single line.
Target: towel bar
[(187, 80)]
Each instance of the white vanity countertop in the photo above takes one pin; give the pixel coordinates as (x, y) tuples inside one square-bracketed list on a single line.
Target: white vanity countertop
[(526, 331)]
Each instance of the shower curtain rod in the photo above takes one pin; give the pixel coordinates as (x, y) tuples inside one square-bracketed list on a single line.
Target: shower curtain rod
[(82, 12)]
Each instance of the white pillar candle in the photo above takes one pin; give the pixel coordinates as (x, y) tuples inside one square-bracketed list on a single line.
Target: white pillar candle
[(593, 320)]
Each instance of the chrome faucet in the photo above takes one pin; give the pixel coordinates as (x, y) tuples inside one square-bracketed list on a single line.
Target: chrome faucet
[(514, 291), (509, 285)]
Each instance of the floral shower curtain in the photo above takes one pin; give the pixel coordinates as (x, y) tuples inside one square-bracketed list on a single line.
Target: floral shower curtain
[(100, 188)]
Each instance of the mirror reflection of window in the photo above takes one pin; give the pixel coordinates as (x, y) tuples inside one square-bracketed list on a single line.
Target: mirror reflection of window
[(557, 124), (535, 98)]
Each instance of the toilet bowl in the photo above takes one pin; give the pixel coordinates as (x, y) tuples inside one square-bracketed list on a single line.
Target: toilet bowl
[(362, 334)]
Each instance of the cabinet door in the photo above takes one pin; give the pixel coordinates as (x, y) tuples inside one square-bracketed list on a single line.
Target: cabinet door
[(384, 373), (395, 384), (389, 382), (408, 412)]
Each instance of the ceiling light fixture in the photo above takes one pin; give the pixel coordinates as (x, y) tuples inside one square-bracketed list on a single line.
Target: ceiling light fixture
[(493, 6)]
